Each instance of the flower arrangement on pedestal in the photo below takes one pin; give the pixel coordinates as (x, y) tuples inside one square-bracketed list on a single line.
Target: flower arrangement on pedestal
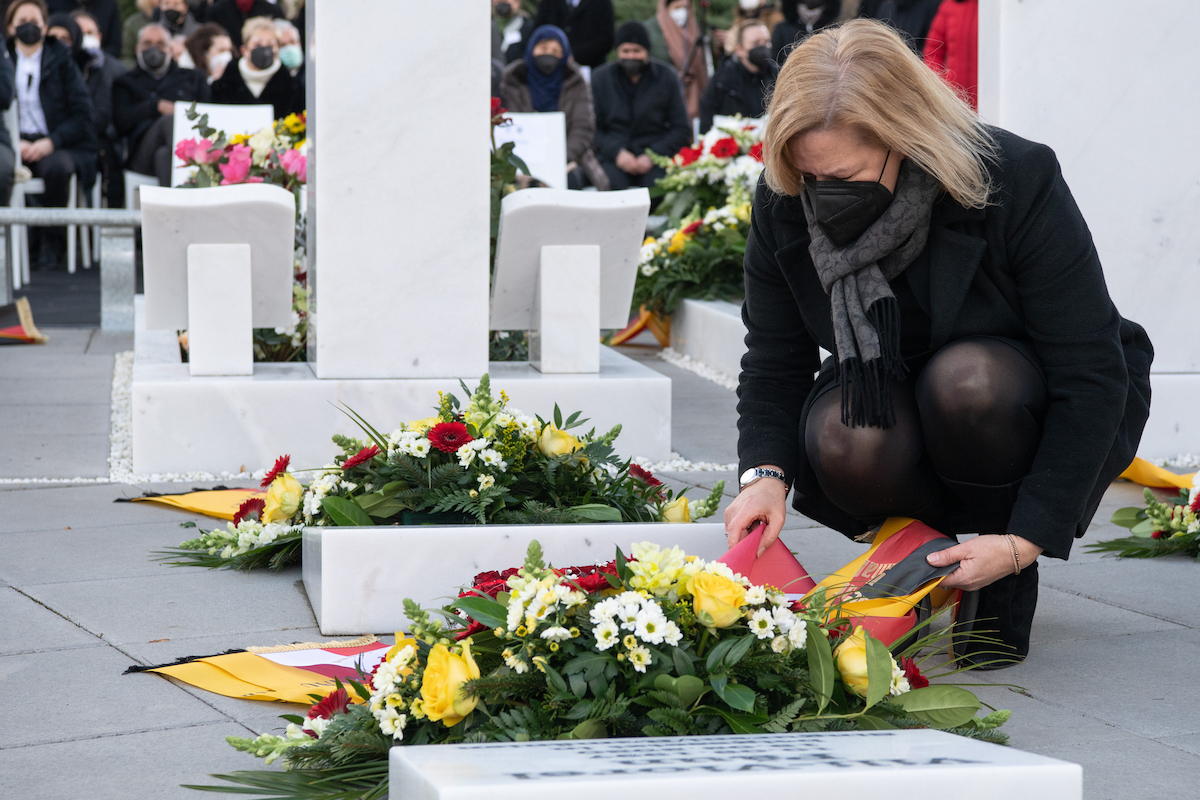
[(479, 463), (726, 158), (660, 644), (1159, 529)]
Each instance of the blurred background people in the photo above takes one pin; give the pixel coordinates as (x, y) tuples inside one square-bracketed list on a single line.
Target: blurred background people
[(639, 106), (232, 15), (911, 17), (8, 159), (105, 12), (547, 79), (55, 116), (291, 53), (801, 19), (146, 98), (100, 70), (511, 29), (744, 82), (675, 39), (588, 25), (210, 50), (147, 12), (176, 17), (952, 47), (259, 77)]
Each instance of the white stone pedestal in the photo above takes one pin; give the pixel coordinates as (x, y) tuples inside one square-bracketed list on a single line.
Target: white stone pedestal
[(220, 336), (897, 765), (711, 332), (567, 311), (358, 578)]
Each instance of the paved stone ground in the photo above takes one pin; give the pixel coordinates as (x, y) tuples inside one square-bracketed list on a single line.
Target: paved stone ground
[(1108, 684)]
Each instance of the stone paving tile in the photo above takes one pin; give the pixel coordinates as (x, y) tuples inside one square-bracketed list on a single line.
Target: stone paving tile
[(1189, 743), (50, 391), (104, 704), (108, 343), (65, 454), (51, 507), (27, 626), (1162, 587), (1065, 617), (67, 419), (1132, 769), (20, 366), (68, 340), (133, 766)]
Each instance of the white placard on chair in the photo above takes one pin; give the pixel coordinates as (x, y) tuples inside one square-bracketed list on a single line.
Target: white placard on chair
[(541, 142)]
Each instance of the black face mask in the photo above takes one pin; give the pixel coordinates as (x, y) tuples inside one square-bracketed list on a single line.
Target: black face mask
[(173, 17), (153, 59), (503, 10), (29, 32), (633, 66), (759, 56), (262, 57), (546, 64), (845, 209)]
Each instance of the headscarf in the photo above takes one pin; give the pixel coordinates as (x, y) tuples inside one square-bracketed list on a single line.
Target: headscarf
[(61, 20), (545, 89), (681, 43)]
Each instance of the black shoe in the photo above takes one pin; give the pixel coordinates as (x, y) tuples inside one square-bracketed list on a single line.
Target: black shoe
[(1001, 616)]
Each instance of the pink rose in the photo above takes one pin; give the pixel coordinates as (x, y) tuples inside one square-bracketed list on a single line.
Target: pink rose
[(193, 152), (237, 169), (295, 163)]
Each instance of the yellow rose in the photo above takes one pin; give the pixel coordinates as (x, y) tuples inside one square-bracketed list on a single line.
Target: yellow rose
[(554, 442), (676, 511), (677, 243), (422, 425), (283, 498), (441, 684), (851, 657), (716, 600)]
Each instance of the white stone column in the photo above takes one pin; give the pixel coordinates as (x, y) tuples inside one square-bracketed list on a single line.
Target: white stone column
[(398, 109), (1118, 98)]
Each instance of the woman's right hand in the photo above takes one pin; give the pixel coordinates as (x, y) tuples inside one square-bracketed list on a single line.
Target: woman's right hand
[(765, 500)]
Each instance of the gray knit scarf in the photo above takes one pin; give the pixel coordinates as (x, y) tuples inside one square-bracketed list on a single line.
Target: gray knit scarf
[(866, 315)]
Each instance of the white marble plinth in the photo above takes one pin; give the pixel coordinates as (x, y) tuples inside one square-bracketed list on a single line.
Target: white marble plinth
[(898, 765), (711, 332), (398, 188), (220, 334), (220, 424), (358, 578), (567, 311)]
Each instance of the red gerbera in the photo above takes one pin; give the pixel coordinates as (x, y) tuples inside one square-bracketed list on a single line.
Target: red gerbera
[(1156, 535), (688, 155), (360, 458), (692, 228), (449, 436), (756, 152), (336, 703), (281, 465), (251, 509), (644, 475), (915, 679), (725, 148)]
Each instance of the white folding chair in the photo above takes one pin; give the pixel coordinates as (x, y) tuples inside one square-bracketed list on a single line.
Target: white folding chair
[(33, 186)]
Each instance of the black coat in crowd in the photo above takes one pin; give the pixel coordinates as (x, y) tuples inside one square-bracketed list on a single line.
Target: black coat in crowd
[(136, 95), (108, 19), (67, 104), (790, 30), (226, 14), (634, 116), (100, 79), (589, 27), (282, 91), (8, 95), (733, 89), (910, 17), (1024, 268)]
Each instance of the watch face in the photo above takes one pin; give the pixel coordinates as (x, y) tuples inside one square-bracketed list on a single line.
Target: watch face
[(747, 476)]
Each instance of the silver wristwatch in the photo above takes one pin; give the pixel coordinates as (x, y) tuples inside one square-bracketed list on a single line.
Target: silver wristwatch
[(757, 473)]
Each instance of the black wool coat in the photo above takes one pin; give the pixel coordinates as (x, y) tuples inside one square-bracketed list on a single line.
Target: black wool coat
[(790, 30), (282, 91), (1023, 268), (589, 27), (911, 17), (136, 93), (226, 14), (733, 89), (107, 16), (634, 116)]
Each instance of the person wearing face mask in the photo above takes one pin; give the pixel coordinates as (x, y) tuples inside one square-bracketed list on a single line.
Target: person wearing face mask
[(982, 380), (258, 77), (54, 111), (743, 83), (911, 17), (100, 71), (674, 32), (802, 19), (176, 17), (232, 15), (147, 12), (145, 100), (291, 54), (588, 25), (548, 79), (511, 29), (105, 12), (211, 50), (639, 107)]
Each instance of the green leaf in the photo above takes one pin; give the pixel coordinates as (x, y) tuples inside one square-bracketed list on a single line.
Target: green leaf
[(716, 656), (483, 610), (683, 662), (345, 512), (739, 697), (820, 665), (188, 524), (940, 706), (589, 729), (1128, 517), (879, 670), (1143, 528), (738, 723), (690, 689), (596, 512), (872, 723), (740, 648)]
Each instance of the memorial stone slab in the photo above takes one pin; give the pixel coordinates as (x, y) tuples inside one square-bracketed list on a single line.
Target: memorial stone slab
[(897, 765)]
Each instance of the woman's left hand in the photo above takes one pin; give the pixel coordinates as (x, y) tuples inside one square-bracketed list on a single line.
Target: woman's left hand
[(39, 149), (983, 560)]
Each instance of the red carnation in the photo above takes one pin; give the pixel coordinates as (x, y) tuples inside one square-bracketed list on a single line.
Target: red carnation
[(336, 703), (756, 152), (449, 436), (281, 465), (688, 155), (915, 679), (725, 148), (470, 630), (692, 228), (1195, 504), (1156, 535), (644, 476), (360, 458), (251, 509)]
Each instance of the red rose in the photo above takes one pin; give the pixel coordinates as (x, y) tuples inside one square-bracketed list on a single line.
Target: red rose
[(336, 703), (496, 107), (692, 228), (688, 155), (251, 509), (725, 148), (1156, 535), (449, 436), (756, 152), (360, 458), (470, 630), (915, 679), (281, 465)]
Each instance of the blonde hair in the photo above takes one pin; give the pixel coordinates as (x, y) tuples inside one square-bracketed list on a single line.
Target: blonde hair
[(256, 24), (734, 40), (861, 75)]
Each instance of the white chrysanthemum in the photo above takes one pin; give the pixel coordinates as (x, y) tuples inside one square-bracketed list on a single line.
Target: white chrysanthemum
[(629, 598), (486, 482), (762, 624), (780, 644), (420, 447), (671, 634), (899, 681), (493, 459), (607, 634), (604, 611), (556, 634), (317, 725), (784, 618), (514, 663), (628, 616), (649, 269), (574, 598), (466, 454), (392, 723), (650, 626), (640, 658), (479, 444), (756, 596), (654, 569), (798, 635)]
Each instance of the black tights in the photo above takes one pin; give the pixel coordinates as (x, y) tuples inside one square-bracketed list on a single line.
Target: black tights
[(965, 435)]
